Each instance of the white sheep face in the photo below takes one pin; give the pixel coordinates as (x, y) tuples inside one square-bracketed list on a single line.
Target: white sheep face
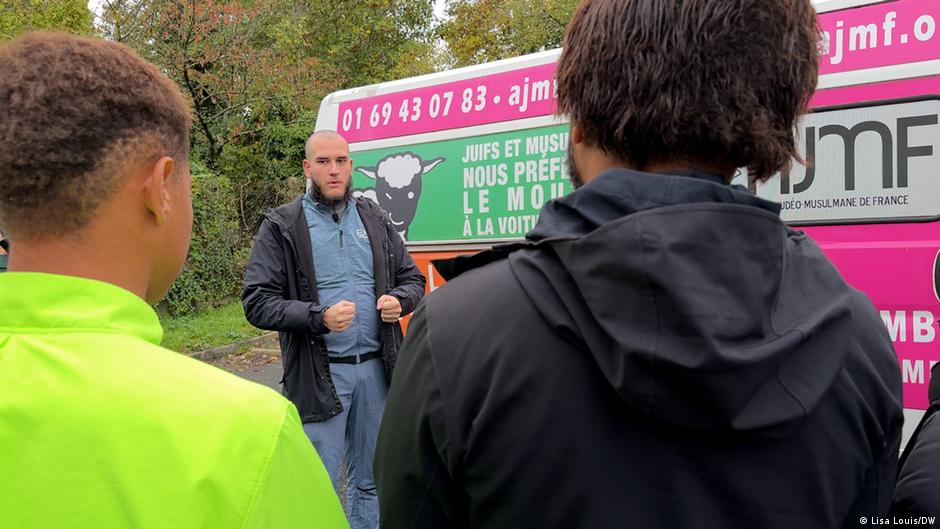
[(398, 185)]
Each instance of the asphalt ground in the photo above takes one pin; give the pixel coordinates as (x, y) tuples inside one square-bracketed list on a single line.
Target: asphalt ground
[(261, 364)]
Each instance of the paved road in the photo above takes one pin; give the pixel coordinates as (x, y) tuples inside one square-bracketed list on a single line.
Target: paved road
[(261, 364), (269, 375)]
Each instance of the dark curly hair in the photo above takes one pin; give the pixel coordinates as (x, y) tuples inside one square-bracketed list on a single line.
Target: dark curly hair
[(720, 82), (75, 115)]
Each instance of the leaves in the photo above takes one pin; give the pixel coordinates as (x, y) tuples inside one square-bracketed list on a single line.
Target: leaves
[(488, 30), (17, 16), (213, 269), (367, 41)]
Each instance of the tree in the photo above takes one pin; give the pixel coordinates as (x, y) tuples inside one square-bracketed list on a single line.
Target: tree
[(214, 50), (123, 20), (226, 57), (367, 41), (479, 31), (17, 16)]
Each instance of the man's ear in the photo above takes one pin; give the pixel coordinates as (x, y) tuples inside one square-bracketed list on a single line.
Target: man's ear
[(577, 135), (156, 188), (307, 168)]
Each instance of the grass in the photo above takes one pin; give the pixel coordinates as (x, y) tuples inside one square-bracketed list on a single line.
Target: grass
[(211, 328)]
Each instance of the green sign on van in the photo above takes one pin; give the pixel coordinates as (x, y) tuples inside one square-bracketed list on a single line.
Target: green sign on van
[(488, 187)]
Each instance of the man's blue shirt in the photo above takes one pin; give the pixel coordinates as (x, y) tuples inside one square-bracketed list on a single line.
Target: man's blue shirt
[(342, 257)]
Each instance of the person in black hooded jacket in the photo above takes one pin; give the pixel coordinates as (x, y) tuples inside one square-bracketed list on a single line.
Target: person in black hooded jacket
[(917, 494), (661, 351)]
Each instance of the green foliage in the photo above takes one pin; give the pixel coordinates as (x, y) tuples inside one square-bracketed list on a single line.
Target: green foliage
[(237, 60), (123, 20), (368, 41), (487, 30), (18, 16), (210, 328), (217, 255), (266, 168)]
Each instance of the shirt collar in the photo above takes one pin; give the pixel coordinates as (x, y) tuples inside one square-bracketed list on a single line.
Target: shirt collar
[(36, 302)]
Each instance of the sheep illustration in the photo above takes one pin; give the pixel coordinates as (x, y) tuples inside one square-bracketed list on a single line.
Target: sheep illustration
[(397, 186)]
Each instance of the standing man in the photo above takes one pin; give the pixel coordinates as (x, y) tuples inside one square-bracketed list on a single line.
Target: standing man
[(662, 350), (100, 427), (330, 273)]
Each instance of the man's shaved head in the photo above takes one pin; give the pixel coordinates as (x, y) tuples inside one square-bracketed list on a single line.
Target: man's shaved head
[(323, 134)]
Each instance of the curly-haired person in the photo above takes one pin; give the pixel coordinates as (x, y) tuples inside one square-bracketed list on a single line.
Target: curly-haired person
[(662, 351), (100, 427)]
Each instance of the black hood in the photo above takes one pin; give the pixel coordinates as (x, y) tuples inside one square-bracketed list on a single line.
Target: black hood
[(701, 308)]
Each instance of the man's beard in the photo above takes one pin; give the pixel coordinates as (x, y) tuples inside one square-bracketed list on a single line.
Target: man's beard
[(320, 198), (573, 174)]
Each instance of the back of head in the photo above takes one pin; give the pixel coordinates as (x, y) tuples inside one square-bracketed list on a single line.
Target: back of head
[(715, 82), (76, 114)]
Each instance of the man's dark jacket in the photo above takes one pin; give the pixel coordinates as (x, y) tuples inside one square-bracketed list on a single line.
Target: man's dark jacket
[(280, 294), (918, 489), (661, 352)]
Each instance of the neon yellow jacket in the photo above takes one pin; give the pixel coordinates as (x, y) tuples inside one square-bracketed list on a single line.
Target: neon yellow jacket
[(102, 428)]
